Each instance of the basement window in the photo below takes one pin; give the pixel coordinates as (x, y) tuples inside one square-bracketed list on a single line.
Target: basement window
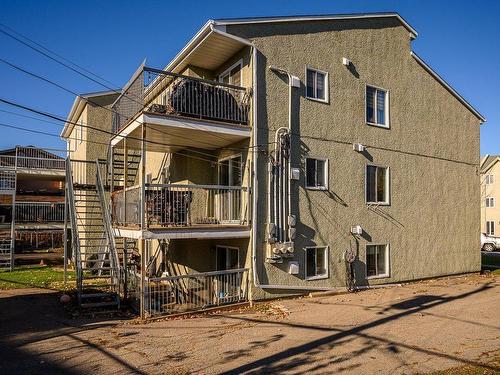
[(490, 202), (377, 184), (316, 85), (377, 261), (316, 174), (377, 106), (490, 228), (316, 262)]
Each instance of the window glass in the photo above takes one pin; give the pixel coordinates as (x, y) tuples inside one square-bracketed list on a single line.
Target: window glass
[(316, 173), (316, 262), (376, 260), (370, 100), (376, 106), (315, 84), (310, 83), (371, 172), (377, 184)]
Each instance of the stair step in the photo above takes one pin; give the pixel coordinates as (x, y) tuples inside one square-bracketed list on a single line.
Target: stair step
[(97, 268), (102, 294), (99, 304)]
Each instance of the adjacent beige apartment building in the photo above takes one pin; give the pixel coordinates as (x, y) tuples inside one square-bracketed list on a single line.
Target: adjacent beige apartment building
[(283, 155), (490, 190)]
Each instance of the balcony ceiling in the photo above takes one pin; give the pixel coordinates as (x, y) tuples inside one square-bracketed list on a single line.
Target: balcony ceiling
[(170, 134), (211, 53)]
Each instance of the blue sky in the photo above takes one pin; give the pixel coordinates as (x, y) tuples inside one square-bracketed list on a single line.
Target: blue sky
[(111, 38)]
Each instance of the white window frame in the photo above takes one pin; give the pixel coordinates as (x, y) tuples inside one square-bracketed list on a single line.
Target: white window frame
[(327, 84), (81, 132), (217, 247), (387, 201), (387, 106), (489, 179), (327, 261), (326, 174), (490, 202), (490, 224), (228, 71), (387, 271)]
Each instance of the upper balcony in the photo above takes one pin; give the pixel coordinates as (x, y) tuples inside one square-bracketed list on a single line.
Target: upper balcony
[(32, 160), (180, 111)]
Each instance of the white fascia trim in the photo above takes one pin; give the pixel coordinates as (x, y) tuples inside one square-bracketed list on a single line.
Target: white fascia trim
[(180, 234), (244, 21), (235, 130), (448, 87), (127, 130)]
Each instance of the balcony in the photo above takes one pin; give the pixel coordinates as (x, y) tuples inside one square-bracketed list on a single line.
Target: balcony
[(176, 210), (33, 213), (196, 112), (32, 160)]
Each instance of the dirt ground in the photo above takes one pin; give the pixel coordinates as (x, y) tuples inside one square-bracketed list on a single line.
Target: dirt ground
[(416, 328)]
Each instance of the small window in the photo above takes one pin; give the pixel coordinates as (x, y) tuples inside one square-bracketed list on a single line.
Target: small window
[(377, 184), (316, 262), (227, 258), (490, 202), (377, 106), (317, 174), (377, 261), (232, 76), (489, 179), (490, 228), (316, 85)]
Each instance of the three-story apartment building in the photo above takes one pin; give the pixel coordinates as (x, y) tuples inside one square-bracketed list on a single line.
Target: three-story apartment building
[(299, 153), (490, 190)]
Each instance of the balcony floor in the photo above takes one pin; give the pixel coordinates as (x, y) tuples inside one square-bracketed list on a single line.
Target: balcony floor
[(194, 231), (167, 133)]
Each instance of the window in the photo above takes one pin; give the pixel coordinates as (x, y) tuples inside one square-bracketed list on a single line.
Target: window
[(490, 202), (316, 174), (377, 261), (232, 75), (227, 258), (377, 184), (316, 262), (316, 84), (490, 228), (377, 106), (489, 179)]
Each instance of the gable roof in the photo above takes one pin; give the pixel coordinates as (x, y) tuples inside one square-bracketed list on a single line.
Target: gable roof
[(488, 161), (323, 17), (448, 87)]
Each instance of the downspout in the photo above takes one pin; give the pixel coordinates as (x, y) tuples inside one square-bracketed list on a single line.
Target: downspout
[(255, 179)]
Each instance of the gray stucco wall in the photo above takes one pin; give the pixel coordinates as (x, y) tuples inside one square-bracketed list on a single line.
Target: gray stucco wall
[(432, 149)]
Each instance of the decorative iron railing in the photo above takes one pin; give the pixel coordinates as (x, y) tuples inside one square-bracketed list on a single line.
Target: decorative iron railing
[(179, 205), (167, 93), (175, 294)]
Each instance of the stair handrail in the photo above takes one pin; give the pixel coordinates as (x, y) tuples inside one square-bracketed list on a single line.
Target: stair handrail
[(74, 225), (108, 228)]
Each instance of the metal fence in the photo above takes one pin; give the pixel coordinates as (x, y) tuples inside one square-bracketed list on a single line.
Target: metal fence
[(39, 212), (84, 171), (174, 294), (7, 179), (169, 93), (182, 205)]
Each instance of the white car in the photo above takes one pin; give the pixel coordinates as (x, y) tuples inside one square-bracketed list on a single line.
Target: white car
[(489, 243)]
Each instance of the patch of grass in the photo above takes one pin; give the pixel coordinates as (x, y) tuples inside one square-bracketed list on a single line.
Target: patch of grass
[(36, 277), (496, 272)]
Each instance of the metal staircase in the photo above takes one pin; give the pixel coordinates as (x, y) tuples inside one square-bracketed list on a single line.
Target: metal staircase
[(7, 230), (94, 252)]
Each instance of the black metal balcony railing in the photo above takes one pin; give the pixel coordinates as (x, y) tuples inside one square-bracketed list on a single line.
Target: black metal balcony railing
[(36, 212), (167, 93), (178, 205)]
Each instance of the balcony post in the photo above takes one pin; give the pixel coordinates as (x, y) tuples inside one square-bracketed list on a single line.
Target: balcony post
[(65, 235), (143, 221), (125, 179)]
